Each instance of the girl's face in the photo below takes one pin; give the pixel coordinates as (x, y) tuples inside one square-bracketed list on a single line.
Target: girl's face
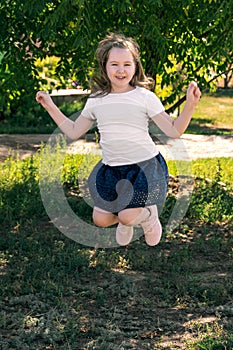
[(120, 68)]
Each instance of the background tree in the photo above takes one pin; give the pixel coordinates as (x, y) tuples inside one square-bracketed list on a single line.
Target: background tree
[(180, 40)]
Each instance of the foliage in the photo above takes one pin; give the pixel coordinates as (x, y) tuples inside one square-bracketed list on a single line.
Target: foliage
[(180, 41), (211, 202), (20, 193), (211, 169)]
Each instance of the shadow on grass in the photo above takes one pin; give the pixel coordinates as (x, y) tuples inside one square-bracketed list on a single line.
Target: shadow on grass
[(223, 93), (56, 294), (202, 126)]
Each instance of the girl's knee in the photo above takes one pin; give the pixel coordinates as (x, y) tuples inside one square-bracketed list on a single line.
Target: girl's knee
[(100, 220), (128, 216), (104, 219)]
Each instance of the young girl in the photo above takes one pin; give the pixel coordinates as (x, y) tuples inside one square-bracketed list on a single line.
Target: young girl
[(129, 184)]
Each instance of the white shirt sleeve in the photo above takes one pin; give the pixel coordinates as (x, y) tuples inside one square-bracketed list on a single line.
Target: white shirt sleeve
[(153, 104), (88, 110)]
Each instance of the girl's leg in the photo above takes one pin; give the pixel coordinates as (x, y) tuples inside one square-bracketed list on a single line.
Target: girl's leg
[(124, 231), (149, 220), (133, 216), (104, 218), (147, 217)]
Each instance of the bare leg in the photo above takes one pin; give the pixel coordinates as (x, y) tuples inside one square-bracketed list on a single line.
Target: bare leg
[(133, 216), (104, 218), (127, 219), (147, 217)]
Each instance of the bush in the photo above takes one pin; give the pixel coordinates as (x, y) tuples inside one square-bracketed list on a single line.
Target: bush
[(21, 200), (211, 201)]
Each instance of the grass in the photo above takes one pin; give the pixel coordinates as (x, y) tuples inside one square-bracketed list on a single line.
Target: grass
[(213, 114), (58, 294), (208, 168)]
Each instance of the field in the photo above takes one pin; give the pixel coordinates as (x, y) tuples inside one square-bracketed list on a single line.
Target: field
[(214, 114), (59, 294)]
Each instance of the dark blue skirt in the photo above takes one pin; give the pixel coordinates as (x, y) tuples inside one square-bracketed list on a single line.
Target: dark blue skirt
[(114, 188)]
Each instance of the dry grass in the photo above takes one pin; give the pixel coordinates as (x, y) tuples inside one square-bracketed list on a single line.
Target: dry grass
[(214, 114)]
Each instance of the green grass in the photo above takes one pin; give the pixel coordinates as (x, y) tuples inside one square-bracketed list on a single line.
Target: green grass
[(208, 168), (58, 294), (213, 114)]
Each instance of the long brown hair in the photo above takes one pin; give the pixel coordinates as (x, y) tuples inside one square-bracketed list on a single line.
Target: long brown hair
[(100, 83)]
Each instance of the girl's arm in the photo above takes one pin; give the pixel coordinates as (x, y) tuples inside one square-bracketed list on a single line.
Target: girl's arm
[(73, 130), (175, 128)]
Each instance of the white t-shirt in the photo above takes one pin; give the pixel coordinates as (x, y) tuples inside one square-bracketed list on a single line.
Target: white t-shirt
[(122, 120)]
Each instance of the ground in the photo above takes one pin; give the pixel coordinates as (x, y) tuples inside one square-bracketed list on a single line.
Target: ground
[(177, 295), (190, 147), (174, 296), (24, 145)]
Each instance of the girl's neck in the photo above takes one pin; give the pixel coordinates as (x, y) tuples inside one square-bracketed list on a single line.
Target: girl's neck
[(119, 91)]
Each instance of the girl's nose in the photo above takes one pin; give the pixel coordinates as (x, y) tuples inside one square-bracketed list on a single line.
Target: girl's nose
[(120, 68)]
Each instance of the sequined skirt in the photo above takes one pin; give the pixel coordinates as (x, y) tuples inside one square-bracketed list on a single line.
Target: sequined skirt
[(114, 188)]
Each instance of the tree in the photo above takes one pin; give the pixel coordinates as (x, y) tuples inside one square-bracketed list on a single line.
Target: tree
[(180, 40)]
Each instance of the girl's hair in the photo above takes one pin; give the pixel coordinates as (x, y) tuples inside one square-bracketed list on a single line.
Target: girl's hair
[(100, 84)]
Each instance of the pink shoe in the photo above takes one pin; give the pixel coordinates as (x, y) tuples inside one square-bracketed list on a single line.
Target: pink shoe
[(152, 227), (124, 234)]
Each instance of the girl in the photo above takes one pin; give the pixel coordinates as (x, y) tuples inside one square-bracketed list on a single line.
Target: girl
[(129, 184)]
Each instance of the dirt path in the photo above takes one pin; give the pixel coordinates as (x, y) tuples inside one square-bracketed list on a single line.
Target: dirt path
[(187, 147), (23, 145)]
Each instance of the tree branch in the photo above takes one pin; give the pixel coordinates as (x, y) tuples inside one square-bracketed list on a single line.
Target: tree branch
[(182, 99)]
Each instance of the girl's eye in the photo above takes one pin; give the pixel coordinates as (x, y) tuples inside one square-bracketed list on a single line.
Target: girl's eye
[(126, 65)]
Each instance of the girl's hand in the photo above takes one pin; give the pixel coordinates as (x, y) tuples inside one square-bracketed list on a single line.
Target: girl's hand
[(193, 94), (44, 99)]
